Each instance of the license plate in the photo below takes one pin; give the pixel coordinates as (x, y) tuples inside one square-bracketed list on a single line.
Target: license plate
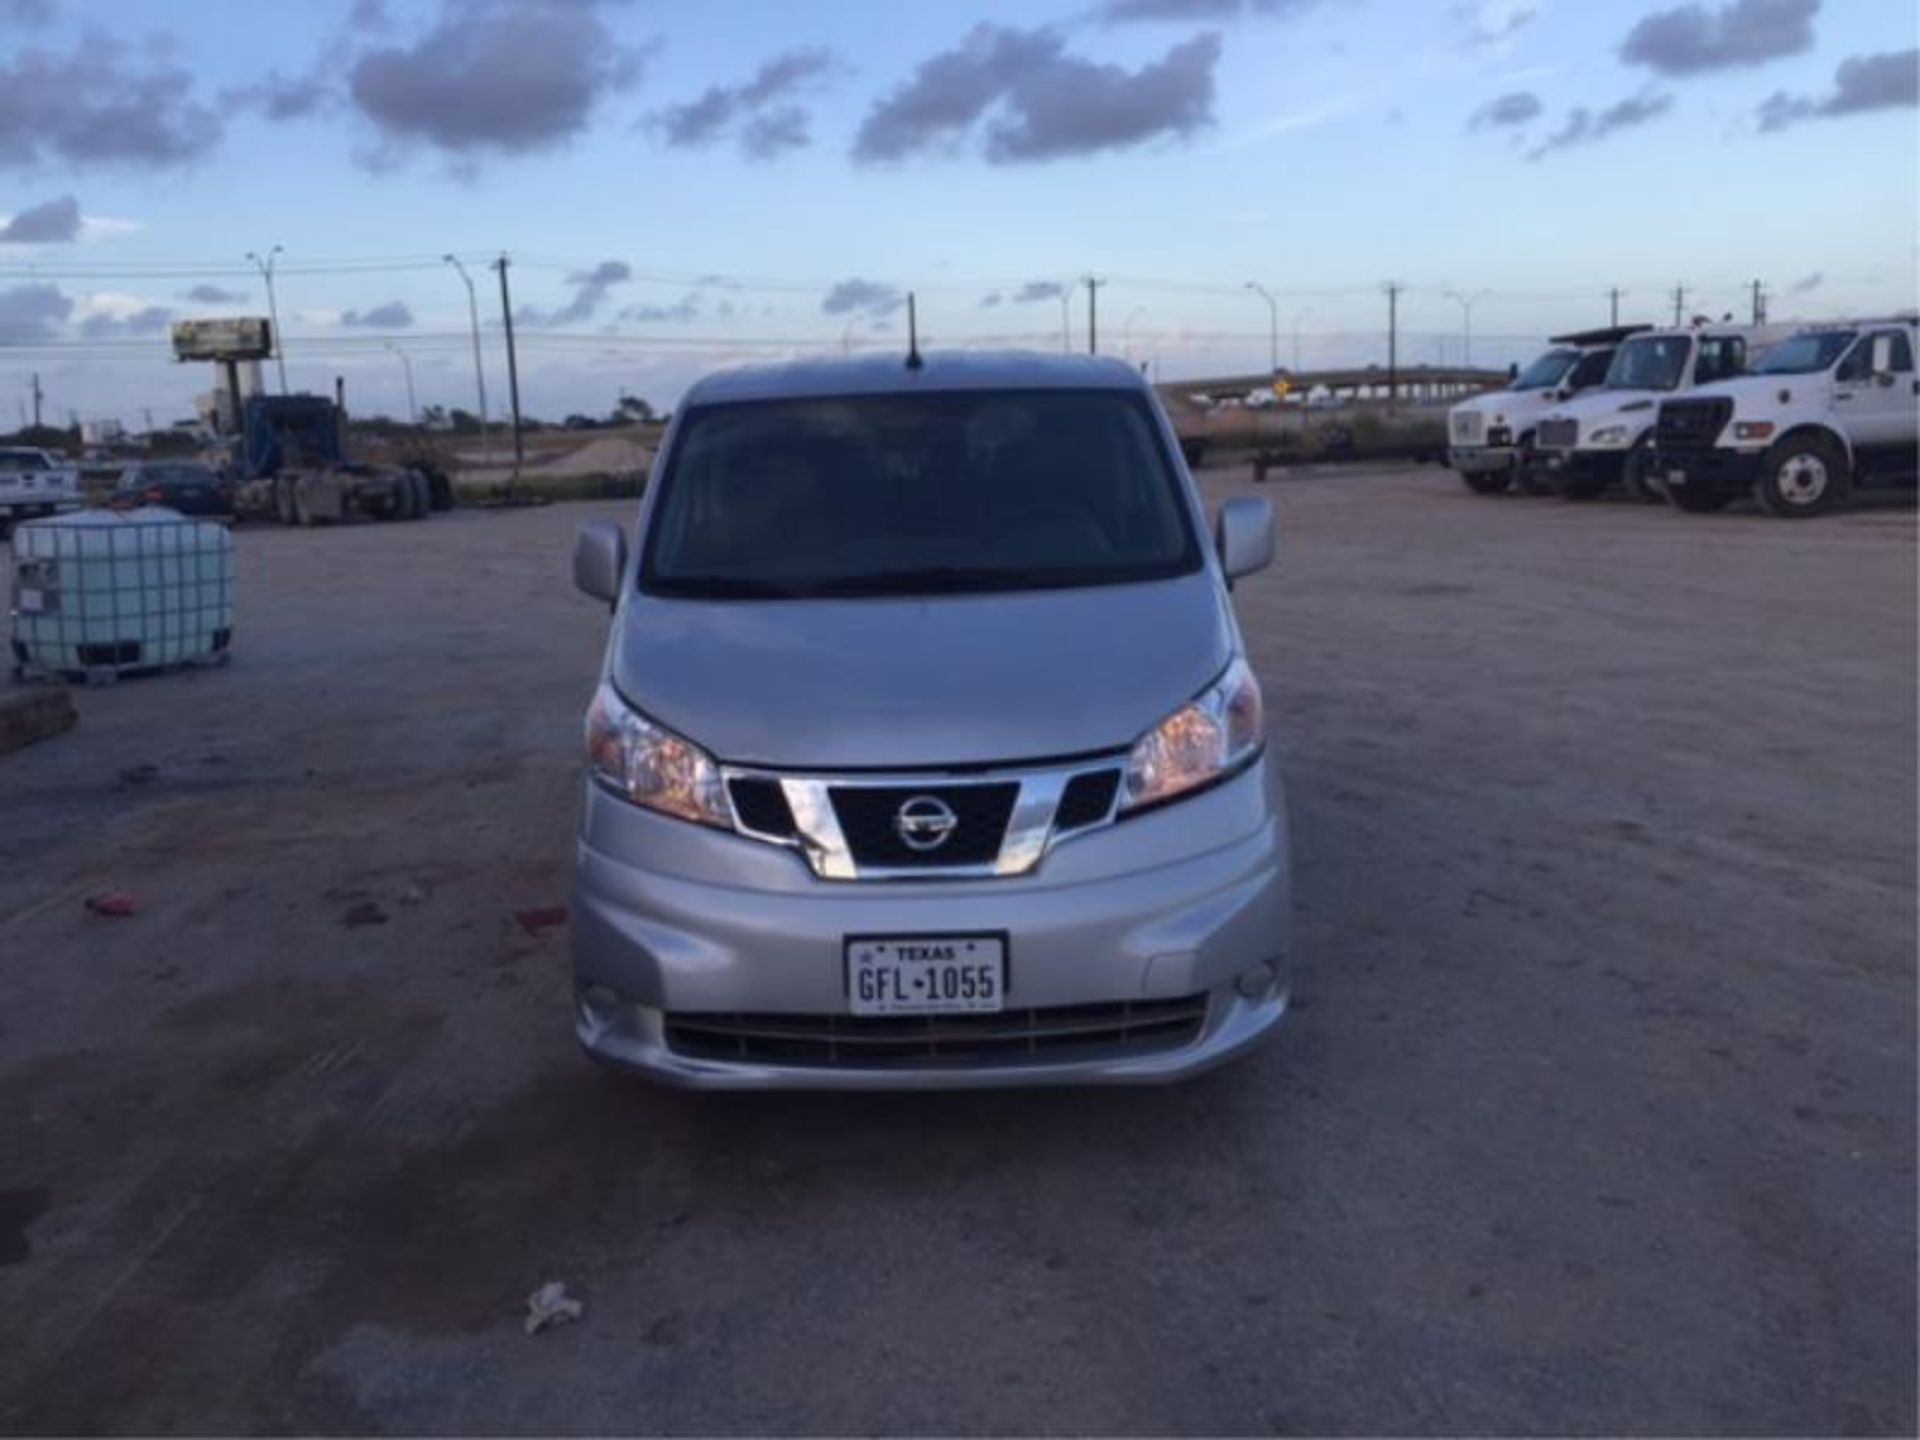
[(1676, 477), (926, 974), (31, 602)]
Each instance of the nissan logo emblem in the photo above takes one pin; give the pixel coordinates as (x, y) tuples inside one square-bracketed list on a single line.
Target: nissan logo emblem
[(924, 823)]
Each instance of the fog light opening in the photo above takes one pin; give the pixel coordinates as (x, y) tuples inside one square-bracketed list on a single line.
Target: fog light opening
[(1257, 983)]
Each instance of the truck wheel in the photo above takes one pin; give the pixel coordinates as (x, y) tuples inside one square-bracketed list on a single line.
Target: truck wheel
[(419, 495), (1486, 482), (440, 488), (1802, 476), (1635, 478), (1527, 474)]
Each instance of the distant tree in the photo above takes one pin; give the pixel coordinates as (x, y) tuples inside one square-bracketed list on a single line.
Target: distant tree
[(433, 417), (463, 422), (632, 410)]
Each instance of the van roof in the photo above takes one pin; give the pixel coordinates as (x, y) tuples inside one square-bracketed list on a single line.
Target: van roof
[(889, 374)]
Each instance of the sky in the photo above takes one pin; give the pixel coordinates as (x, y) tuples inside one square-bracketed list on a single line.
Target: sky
[(683, 187)]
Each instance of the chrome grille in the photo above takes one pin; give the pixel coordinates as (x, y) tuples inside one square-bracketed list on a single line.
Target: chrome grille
[(1557, 434), (1054, 1034)]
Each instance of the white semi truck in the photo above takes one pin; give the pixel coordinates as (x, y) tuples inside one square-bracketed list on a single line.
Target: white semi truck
[(1490, 438), (1604, 438), (1831, 408)]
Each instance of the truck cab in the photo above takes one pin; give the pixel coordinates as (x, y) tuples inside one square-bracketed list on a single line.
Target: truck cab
[(1827, 409), (1603, 438), (33, 484), (1490, 438)]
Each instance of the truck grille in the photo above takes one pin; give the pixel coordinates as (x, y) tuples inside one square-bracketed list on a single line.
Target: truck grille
[(1468, 427), (1557, 434), (867, 814), (1692, 424), (1056, 1034)]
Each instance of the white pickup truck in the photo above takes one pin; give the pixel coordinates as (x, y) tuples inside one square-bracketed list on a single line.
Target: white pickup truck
[(1490, 438), (1605, 437), (1830, 408), (32, 485)]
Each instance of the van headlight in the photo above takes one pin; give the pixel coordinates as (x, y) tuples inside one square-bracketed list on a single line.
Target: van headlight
[(652, 766), (1608, 435), (1207, 739)]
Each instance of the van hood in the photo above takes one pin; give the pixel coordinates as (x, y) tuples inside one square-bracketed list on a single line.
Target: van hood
[(925, 682)]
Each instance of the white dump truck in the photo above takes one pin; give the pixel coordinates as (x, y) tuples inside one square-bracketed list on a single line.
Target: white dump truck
[(1831, 408), (1490, 438)]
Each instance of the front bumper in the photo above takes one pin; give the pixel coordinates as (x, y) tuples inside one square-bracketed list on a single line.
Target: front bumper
[(1595, 465), (1710, 471), (1191, 900), (1481, 459)]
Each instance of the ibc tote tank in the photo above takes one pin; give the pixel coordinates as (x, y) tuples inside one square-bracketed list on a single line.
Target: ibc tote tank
[(101, 592)]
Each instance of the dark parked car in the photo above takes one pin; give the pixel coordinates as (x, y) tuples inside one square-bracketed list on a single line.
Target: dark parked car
[(179, 485)]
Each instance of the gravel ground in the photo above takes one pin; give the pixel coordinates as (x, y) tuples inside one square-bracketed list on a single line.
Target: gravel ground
[(1597, 1113)]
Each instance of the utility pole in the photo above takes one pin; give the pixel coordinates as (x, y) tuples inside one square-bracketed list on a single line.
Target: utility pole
[(38, 396), (1679, 305), (1093, 315), (1273, 325), (1066, 319), (148, 413), (1613, 306), (1393, 289), (479, 370), (1759, 304), (406, 363), (513, 366), (273, 311)]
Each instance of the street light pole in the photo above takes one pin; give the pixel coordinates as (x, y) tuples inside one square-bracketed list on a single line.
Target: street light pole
[(273, 312), (479, 371), (413, 410), (1273, 325), (1465, 303)]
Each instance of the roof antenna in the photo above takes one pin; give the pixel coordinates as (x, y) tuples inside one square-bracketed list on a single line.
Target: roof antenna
[(914, 362)]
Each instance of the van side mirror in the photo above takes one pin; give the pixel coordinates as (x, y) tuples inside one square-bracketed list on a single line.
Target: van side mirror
[(599, 559), (1244, 535)]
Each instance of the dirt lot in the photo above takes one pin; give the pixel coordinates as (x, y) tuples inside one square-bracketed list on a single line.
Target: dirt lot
[(1597, 1113)]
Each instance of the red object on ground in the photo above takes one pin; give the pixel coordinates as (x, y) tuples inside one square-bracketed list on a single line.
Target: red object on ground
[(534, 921), (113, 902)]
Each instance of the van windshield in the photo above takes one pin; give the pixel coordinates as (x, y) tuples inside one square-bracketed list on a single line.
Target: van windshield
[(1547, 370), (1805, 354), (1651, 362), (961, 491)]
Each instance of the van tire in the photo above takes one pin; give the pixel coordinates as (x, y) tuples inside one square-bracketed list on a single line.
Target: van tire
[(1803, 476), (1486, 482)]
